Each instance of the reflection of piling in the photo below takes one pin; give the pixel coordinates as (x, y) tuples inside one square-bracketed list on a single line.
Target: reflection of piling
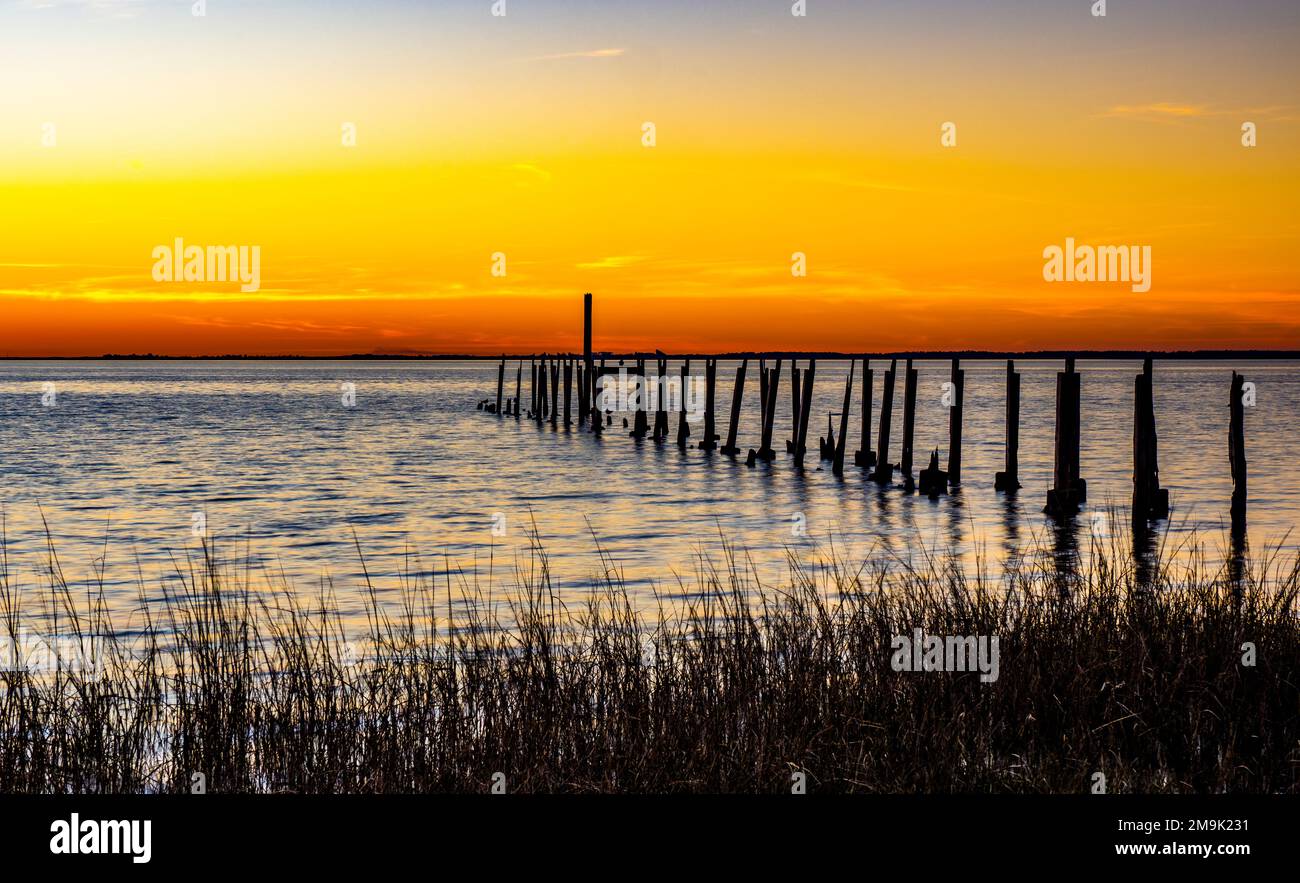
[(683, 428), (805, 411), (736, 397), (842, 442), (958, 381), (1237, 450), (1009, 479), (864, 456), (909, 425), (884, 472), (1068, 491), (1149, 499)]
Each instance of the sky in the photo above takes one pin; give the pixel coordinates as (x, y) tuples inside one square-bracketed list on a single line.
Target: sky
[(500, 169)]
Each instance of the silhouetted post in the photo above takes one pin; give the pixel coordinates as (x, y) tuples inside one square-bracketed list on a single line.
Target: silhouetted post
[(683, 428), (909, 424), (586, 397), (734, 427), (661, 393), (555, 392), (884, 469), (864, 456), (796, 401), (958, 381), (1009, 479), (763, 380), (640, 417), (805, 411), (1237, 451), (933, 480), (1149, 499), (710, 440), (842, 441), (519, 383), (1068, 491), (568, 392), (501, 385), (765, 451)]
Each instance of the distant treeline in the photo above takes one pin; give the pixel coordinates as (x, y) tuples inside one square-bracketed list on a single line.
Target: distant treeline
[(785, 354)]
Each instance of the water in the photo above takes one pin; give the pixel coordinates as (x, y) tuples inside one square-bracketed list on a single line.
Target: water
[(130, 451)]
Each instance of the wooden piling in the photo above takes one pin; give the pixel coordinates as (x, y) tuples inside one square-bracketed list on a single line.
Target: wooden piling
[(796, 402), (585, 398), (710, 440), (1237, 451), (568, 391), (1150, 501), (730, 448), (805, 411), (1009, 479), (640, 417), (1069, 492), (884, 472), (661, 393), (555, 392), (765, 451), (909, 425), (864, 456), (842, 441), (958, 380), (933, 481), (683, 428), (501, 385)]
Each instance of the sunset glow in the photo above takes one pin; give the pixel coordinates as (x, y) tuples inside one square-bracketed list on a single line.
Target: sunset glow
[(523, 136)]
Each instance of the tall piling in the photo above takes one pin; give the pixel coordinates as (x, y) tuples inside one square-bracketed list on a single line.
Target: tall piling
[(640, 416), (555, 392), (909, 425), (796, 402), (1009, 479), (765, 451), (733, 427), (1237, 450), (842, 442), (519, 382), (884, 472), (568, 391), (683, 428), (661, 393), (805, 411), (586, 398), (1069, 492), (710, 440), (501, 385), (958, 380), (864, 457), (1150, 501)]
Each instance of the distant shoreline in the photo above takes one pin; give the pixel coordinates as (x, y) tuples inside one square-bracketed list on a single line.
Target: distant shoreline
[(1118, 355)]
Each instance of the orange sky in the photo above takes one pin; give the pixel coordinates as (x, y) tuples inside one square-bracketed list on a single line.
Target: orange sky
[(523, 137)]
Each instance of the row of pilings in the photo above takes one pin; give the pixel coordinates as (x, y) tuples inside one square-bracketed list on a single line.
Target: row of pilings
[(563, 390), (548, 374)]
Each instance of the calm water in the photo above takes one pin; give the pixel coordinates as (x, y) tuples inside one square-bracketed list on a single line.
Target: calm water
[(130, 451)]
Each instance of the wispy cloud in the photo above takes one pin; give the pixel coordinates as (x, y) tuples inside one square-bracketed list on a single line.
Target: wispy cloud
[(1159, 109), (589, 53), (614, 262)]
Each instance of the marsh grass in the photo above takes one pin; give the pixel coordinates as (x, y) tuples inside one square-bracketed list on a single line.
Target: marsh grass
[(727, 685)]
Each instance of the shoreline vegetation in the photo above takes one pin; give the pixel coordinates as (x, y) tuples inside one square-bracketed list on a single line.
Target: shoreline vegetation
[(1176, 675)]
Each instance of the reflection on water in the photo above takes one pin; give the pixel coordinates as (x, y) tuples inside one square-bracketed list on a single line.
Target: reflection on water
[(269, 452)]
